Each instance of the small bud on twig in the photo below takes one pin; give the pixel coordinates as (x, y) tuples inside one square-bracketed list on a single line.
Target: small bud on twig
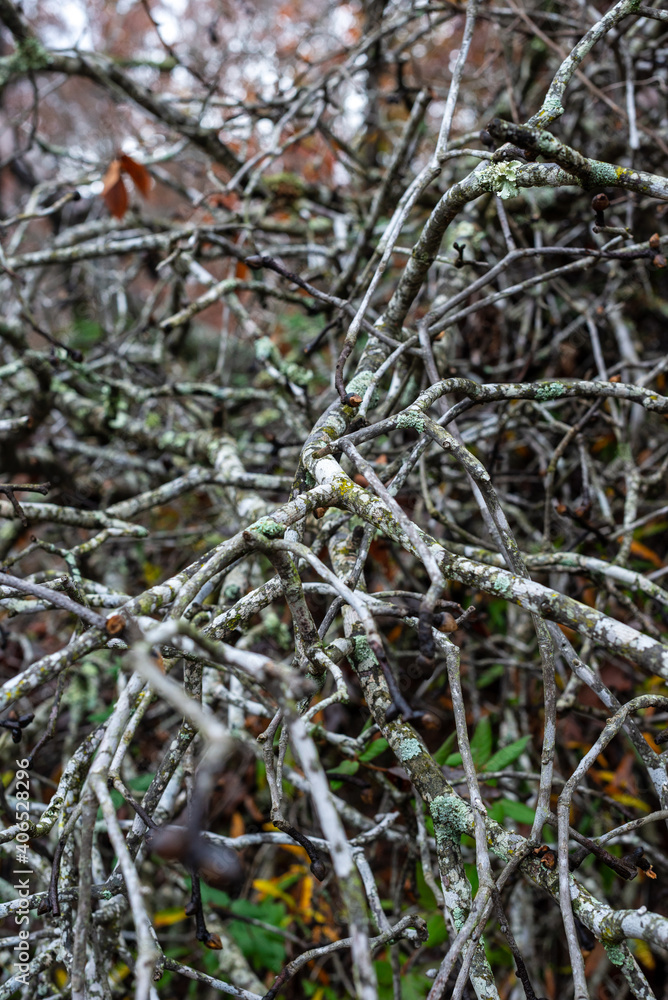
[(599, 203)]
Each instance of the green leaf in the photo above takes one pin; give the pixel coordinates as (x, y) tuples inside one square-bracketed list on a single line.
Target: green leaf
[(86, 333), (472, 875), (97, 717), (488, 676), (481, 742), (496, 812), (263, 949), (518, 811), (497, 610), (324, 991), (414, 984), (424, 894), (438, 931), (375, 749), (211, 895), (141, 783), (345, 767), (443, 751), (506, 755)]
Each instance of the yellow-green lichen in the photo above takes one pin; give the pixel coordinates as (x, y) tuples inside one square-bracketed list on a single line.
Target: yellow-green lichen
[(552, 108), (653, 403)]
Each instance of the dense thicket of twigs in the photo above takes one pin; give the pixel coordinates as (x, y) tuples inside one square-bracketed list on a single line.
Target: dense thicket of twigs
[(333, 524)]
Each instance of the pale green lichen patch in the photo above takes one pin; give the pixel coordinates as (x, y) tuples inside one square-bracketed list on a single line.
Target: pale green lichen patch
[(503, 177), (364, 655), (408, 749), (503, 585), (549, 390), (614, 953), (296, 372), (264, 348), (278, 630), (411, 418), (319, 224), (464, 231), (451, 816), (267, 526)]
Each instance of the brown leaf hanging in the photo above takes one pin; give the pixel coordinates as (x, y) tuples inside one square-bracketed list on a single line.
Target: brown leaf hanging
[(114, 192), (138, 172)]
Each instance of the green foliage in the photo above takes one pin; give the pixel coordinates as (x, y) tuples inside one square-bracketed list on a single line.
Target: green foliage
[(424, 893), (85, 333), (481, 746), (97, 717), (481, 742), (497, 610), (345, 767), (374, 749), (516, 811), (506, 755), (414, 985), (490, 675), (325, 992), (140, 783), (498, 956), (263, 949), (442, 754), (438, 931), (481, 750), (472, 875)]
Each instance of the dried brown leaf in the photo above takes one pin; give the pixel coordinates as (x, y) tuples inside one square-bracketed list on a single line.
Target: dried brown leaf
[(114, 191), (138, 172)]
